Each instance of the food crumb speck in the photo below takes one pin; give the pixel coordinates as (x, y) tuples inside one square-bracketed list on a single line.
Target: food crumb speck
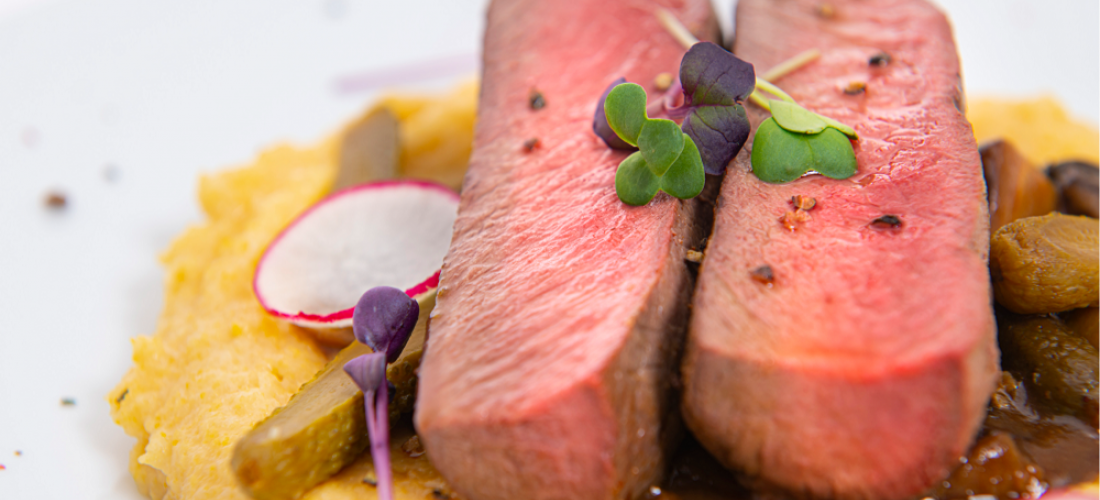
[(662, 81), (111, 172), (792, 218), (826, 10), (412, 447), (693, 256), (56, 200), (18, 453), (855, 88), (801, 202), (68, 402)]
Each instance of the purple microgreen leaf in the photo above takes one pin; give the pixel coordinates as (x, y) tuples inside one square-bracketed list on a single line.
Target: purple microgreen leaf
[(711, 75), (719, 132), (384, 318), (369, 373), (602, 128), (715, 82)]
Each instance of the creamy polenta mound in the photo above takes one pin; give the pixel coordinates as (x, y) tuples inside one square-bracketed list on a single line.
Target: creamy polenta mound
[(1040, 128), (217, 363)]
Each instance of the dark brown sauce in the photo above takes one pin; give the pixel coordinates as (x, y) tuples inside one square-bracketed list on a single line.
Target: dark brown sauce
[(1055, 450)]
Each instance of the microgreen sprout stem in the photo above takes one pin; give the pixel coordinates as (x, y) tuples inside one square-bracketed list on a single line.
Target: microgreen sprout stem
[(782, 69), (676, 28), (383, 319)]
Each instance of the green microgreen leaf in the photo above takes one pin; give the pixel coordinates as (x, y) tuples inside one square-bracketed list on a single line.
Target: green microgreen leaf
[(833, 153), (634, 182), (660, 143), (686, 177), (795, 118), (779, 155), (844, 129), (625, 109)]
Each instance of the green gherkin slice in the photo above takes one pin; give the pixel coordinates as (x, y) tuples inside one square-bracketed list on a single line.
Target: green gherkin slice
[(322, 428)]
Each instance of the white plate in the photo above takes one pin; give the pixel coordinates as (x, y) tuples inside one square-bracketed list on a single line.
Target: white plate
[(158, 92)]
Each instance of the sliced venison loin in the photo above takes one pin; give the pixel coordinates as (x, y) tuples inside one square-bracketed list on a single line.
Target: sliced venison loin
[(561, 310), (848, 350)]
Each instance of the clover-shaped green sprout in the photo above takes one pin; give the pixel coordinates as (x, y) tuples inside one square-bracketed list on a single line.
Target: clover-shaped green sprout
[(795, 141), (667, 159)]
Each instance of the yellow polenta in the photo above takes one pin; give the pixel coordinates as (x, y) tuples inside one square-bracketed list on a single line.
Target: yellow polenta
[(1040, 128), (217, 363)]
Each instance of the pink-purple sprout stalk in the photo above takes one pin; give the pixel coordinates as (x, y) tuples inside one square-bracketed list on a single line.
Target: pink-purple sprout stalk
[(384, 319)]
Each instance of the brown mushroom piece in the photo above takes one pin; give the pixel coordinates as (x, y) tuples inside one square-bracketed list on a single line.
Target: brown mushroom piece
[(995, 466), (1015, 188), (1045, 264), (1058, 367), (1064, 447), (1085, 323), (1078, 185)]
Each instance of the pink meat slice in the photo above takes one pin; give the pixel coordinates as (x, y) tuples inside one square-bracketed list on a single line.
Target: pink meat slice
[(561, 311), (864, 368)]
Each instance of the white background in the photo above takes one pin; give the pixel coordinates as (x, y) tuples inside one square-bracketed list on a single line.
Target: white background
[(158, 91)]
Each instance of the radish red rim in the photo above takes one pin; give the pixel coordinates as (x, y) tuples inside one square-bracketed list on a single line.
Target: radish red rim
[(389, 233)]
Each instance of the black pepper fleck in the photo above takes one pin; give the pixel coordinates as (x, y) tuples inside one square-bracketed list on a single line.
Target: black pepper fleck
[(887, 222), (370, 480), (439, 495), (68, 402), (881, 59), (763, 275), (536, 100), (122, 396), (531, 144)]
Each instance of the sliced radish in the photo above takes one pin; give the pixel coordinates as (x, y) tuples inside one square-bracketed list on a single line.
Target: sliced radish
[(392, 233)]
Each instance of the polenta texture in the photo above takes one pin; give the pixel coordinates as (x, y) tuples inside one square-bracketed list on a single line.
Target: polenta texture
[(217, 363)]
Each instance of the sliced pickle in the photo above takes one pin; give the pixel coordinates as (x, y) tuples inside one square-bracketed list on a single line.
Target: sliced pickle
[(1045, 264), (370, 150), (322, 428)]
